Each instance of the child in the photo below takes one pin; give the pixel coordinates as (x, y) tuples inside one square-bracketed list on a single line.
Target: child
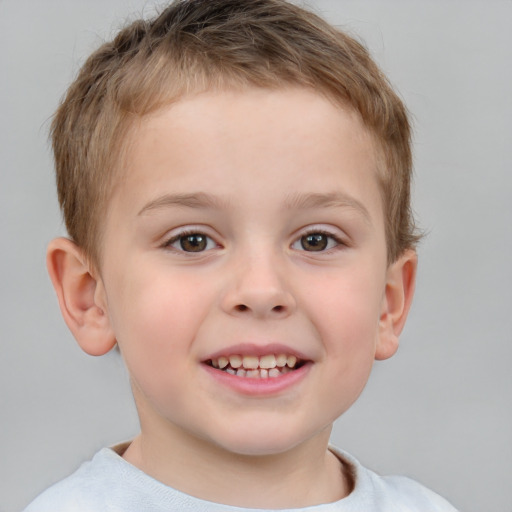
[(234, 176)]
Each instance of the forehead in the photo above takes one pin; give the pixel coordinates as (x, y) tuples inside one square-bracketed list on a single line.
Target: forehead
[(238, 141)]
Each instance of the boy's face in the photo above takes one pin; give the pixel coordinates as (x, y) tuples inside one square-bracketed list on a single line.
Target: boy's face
[(247, 224)]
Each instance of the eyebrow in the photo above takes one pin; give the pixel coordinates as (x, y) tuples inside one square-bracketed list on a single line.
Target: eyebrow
[(294, 202), (195, 200), (328, 200)]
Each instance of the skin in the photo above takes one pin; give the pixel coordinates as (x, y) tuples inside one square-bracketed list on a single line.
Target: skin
[(255, 172)]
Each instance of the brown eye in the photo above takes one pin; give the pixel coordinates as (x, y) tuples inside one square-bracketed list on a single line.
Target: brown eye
[(314, 242), (195, 242), (190, 242)]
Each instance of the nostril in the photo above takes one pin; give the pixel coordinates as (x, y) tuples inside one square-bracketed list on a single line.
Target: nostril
[(277, 309), (241, 307)]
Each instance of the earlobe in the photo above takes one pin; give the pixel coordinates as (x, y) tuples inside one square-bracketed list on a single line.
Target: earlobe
[(400, 283), (81, 297)]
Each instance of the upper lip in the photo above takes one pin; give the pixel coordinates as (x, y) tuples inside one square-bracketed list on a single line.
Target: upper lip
[(254, 349)]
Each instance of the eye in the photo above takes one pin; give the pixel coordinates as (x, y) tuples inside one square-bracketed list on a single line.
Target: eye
[(316, 241), (191, 242)]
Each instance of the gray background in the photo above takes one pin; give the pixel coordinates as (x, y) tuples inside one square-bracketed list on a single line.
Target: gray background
[(440, 410)]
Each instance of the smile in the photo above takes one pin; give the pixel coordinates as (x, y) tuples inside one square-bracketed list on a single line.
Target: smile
[(256, 367)]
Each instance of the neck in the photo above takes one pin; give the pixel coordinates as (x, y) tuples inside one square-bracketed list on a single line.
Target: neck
[(306, 475)]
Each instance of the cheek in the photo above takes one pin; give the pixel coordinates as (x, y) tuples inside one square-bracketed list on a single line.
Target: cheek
[(347, 313), (346, 316), (155, 320)]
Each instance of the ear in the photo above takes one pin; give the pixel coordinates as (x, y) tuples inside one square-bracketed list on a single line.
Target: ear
[(81, 297), (400, 282)]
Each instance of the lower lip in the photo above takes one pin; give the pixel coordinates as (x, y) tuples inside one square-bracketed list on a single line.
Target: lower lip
[(257, 386)]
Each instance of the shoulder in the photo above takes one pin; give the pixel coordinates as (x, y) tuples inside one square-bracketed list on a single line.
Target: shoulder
[(108, 483), (88, 489), (412, 495), (389, 493)]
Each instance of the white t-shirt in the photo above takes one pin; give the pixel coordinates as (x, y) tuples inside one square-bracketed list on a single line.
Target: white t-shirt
[(108, 483)]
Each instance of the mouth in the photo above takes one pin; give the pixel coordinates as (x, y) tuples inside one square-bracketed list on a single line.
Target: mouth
[(269, 366)]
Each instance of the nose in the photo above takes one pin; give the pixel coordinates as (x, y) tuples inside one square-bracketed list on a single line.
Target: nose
[(258, 288)]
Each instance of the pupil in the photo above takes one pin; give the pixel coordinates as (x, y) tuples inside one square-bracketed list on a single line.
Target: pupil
[(314, 242), (193, 243)]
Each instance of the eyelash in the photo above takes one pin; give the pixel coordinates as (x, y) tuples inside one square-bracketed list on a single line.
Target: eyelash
[(338, 242), (168, 244), (180, 237)]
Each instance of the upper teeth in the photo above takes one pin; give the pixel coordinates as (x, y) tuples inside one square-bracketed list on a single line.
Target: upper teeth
[(254, 362)]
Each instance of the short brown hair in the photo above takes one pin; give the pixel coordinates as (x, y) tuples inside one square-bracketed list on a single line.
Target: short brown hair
[(194, 45)]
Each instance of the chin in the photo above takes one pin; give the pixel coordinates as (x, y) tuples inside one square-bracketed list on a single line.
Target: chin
[(261, 442)]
